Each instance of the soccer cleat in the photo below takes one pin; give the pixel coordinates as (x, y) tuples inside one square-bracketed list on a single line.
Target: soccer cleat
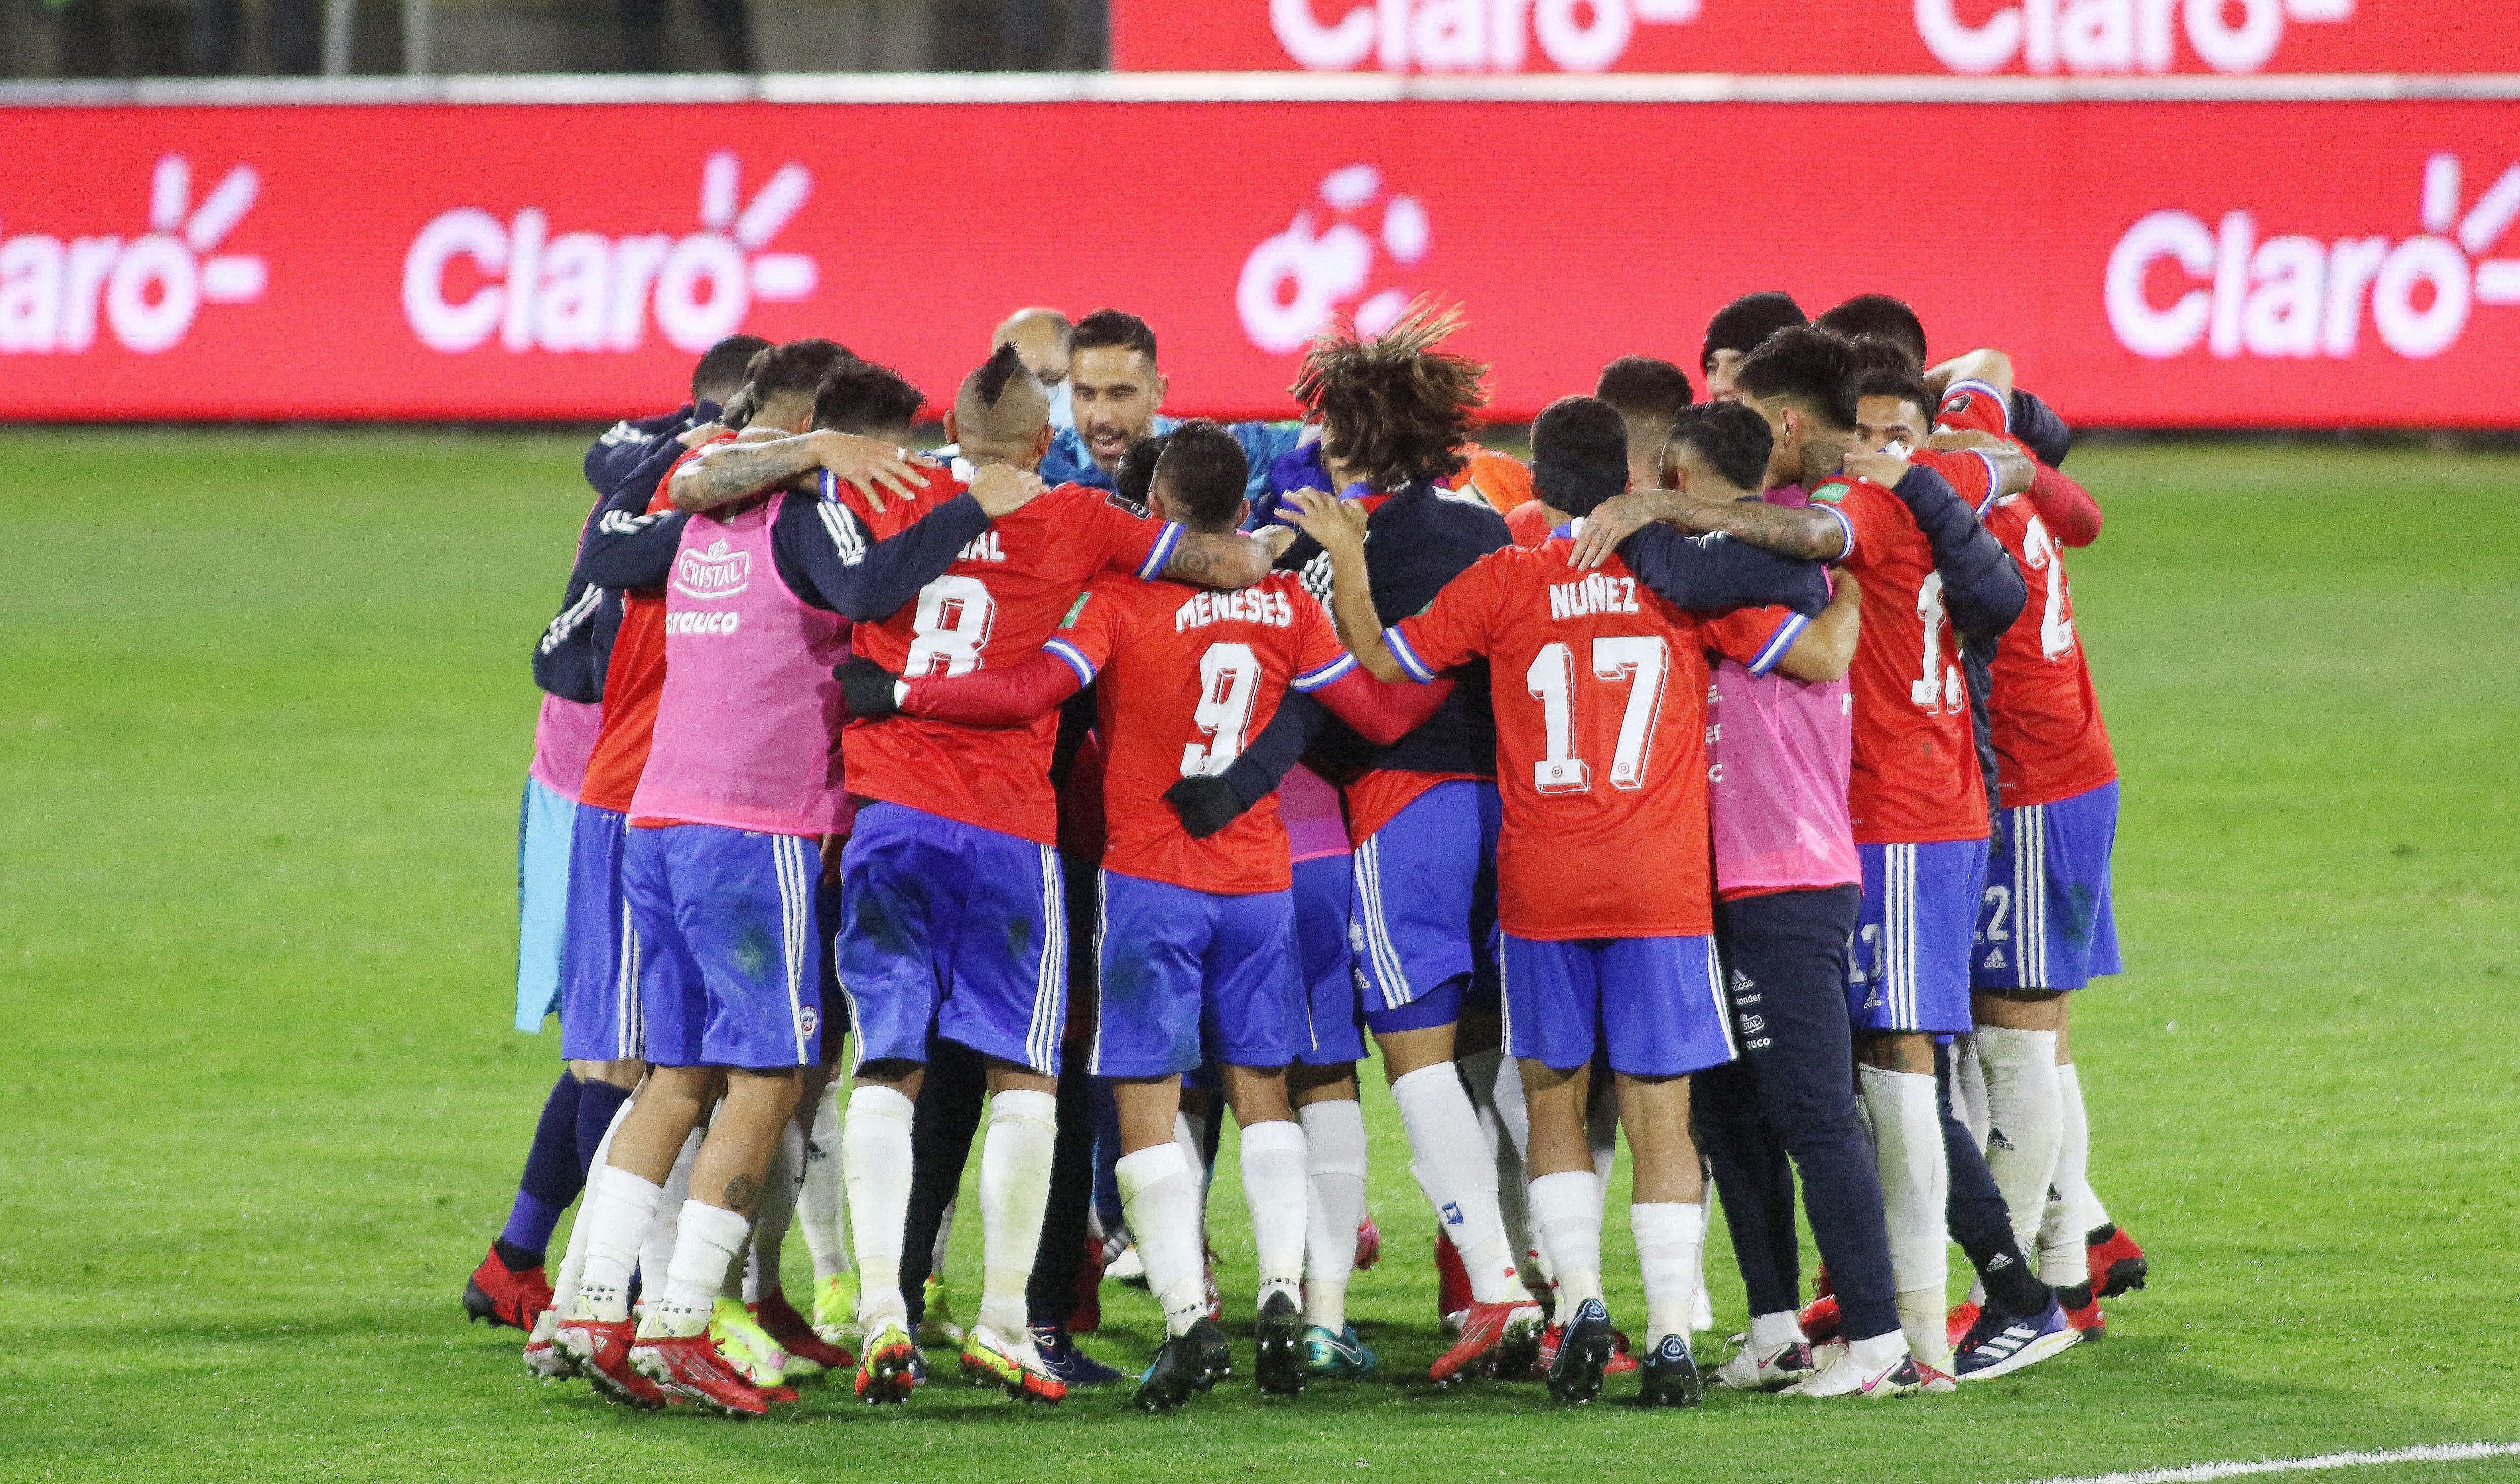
[(1671, 1376), (2116, 1263), (1215, 1294), (1343, 1355), (2002, 1344), (1773, 1369), (835, 1307), (1369, 1245), (748, 1347), (498, 1294), (885, 1368), (599, 1351), (1495, 1338), (990, 1360), (1061, 1358), (1621, 1362), (2089, 1322), (1279, 1334), (1124, 1265), (1958, 1324), (1701, 1309), (1842, 1377), (692, 1368), (936, 1327), (1451, 1286), (808, 1353), (542, 1358), (1189, 1363), (1583, 1352), (1087, 1317), (1820, 1319)]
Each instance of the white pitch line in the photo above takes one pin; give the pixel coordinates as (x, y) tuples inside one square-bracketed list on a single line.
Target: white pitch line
[(2202, 1473)]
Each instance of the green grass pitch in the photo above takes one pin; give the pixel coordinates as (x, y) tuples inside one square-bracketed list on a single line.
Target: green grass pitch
[(264, 715)]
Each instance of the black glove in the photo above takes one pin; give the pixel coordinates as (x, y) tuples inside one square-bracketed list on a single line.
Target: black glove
[(868, 688), (1205, 804)]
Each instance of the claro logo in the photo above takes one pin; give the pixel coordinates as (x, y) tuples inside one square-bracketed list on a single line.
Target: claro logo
[(1297, 280), (469, 276), (2295, 295), (1466, 35), (2116, 35), (147, 289)]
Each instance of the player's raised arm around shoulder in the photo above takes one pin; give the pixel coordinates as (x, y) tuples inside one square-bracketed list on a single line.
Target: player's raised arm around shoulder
[(1339, 526), (2040, 428), (1984, 367), (826, 552), (1981, 590), (1824, 649), (730, 471), (1800, 532), (1712, 574), (2009, 470), (2072, 515), (629, 546)]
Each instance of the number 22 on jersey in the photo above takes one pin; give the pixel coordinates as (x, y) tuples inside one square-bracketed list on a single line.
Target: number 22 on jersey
[(1641, 661)]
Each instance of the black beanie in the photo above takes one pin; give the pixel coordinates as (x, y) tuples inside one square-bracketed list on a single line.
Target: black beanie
[(1746, 321)]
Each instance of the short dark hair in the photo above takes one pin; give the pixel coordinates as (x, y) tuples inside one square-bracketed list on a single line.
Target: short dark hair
[(1136, 476), (868, 399), (794, 369), (1732, 439), (1881, 317), (720, 373), (1749, 320), (1579, 454), (1395, 410), (1811, 368), (1113, 326), (1902, 381), (1202, 469), (1644, 388)]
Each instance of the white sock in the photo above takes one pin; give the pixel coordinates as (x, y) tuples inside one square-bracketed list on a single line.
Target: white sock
[(1017, 1148), (619, 1209), (1496, 1090), (1567, 1208), (706, 1243), (1701, 1314), (656, 1248), (776, 1209), (1334, 1154), (2064, 1261), (1968, 1089), (2022, 1106), (1878, 1352), (821, 1204), (1274, 1179), (1668, 1234), (1768, 1330), (1159, 1192), (572, 1263), (1915, 1186), (1444, 1136), (876, 1165)]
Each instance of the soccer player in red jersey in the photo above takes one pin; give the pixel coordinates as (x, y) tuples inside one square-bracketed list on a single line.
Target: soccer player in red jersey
[(951, 882), (1602, 866)]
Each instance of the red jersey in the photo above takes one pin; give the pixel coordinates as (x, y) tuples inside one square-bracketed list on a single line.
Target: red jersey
[(1529, 522), (1916, 778), (1001, 596), (1187, 676), (1974, 406), (634, 680), (2049, 743), (1600, 690)]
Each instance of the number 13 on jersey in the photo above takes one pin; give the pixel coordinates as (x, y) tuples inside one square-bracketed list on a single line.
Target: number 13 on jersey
[(1639, 661)]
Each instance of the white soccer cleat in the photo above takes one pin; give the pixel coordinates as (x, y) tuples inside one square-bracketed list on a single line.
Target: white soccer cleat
[(542, 1358), (1701, 1309), (1772, 1368), (1842, 1377)]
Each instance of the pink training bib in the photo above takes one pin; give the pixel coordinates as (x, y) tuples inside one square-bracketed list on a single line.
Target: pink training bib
[(563, 739), (1309, 808), (749, 725)]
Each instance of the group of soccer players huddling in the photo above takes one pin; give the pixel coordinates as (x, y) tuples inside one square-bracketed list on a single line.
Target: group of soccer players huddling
[(1729, 775)]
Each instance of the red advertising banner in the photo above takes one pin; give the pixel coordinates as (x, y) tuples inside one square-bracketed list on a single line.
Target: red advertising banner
[(2146, 264), (1967, 37)]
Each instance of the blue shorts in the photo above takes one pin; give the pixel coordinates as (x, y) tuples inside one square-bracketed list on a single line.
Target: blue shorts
[(727, 937), (543, 826), (1324, 888), (598, 952), (1656, 1004), (1424, 927), (2046, 921), (954, 929), (1190, 975), (1909, 969)]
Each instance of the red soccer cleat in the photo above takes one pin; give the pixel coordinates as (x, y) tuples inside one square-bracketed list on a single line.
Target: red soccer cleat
[(1960, 1322), (1497, 1337), (2116, 1263), (1821, 1319), (1088, 1315), (599, 1351), (501, 1295), (1452, 1285), (690, 1368), (1621, 1361), (2088, 1322), (796, 1336), (1369, 1245)]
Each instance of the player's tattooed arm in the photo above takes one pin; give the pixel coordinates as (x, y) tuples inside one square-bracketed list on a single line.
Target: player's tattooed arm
[(1217, 560), (1803, 533), (732, 471), (1339, 526)]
